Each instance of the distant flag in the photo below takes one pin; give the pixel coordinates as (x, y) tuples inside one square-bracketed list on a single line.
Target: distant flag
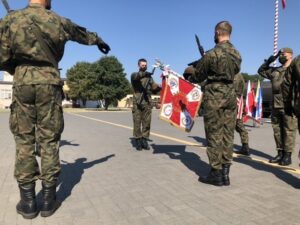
[(258, 103), (250, 104), (283, 4), (240, 106)]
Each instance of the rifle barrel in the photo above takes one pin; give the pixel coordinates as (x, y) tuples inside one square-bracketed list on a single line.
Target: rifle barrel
[(6, 5)]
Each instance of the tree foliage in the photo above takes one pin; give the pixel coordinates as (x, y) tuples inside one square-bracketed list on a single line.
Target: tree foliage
[(248, 77), (101, 80), (79, 79)]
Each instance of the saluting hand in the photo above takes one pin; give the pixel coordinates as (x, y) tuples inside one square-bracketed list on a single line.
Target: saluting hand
[(103, 47)]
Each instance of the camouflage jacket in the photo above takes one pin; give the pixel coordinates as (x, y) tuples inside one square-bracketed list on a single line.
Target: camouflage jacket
[(31, 62), (239, 85), (276, 76), (291, 85), (218, 67), (138, 82)]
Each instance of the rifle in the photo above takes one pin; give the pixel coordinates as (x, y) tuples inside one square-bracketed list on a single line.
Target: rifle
[(201, 51), (6, 6), (144, 93)]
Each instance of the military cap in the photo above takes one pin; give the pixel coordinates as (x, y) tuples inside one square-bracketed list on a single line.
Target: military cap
[(287, 50)]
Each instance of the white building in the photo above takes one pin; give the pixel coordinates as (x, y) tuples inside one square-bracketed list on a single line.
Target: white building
[(6, 91)]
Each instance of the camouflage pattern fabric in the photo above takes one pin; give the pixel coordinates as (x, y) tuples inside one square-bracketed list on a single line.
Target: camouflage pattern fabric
[(36, 113), (141, 113), (218, 67), (291, 87), (276, 76), (284, 124), (36, 110), (32, 64), (138, 82), (239, 86), (240, 128), (141, 120), (284, 127)]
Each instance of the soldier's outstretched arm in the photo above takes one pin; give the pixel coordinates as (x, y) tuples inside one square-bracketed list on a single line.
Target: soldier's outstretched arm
[(74, 32)]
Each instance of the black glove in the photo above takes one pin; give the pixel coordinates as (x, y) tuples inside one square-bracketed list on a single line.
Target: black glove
[(187, 76), (272, 58), (103, 47), (148, 74)]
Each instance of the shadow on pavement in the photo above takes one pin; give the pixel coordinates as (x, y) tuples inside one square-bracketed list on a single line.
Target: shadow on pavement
[(72, 173), (255, 152), (191, 160), (279, 173), (133, 143), (200, 140), (65, 142), (236, 147)]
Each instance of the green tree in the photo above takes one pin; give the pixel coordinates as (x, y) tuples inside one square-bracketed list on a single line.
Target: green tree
[(248, 77), (111, 84), (102, 80), (80, 79)]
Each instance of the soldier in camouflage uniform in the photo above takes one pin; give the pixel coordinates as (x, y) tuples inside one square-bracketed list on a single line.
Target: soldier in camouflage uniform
[(239, 85), (36, 110), (291, 90), (283, 123), (142, 106), (218, 67)]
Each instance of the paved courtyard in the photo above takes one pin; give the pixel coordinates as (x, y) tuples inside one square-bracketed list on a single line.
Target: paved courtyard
[(105, 181)]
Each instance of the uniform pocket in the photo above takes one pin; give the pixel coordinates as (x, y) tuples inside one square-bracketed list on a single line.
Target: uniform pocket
[(13, 119), (58, 119)]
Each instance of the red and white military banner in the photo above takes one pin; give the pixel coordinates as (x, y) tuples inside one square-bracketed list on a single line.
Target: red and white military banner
[(180, 103)]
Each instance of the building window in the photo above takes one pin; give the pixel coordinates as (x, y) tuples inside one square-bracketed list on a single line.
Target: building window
[(5, 93)]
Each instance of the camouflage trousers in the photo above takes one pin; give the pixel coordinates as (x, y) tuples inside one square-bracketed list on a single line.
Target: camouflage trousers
[(37, 117), (284, 128), (240, 128), (219, 122), (141, 120)]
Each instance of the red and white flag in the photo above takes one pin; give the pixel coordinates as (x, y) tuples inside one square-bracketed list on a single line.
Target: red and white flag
[(283, 4), (250, 102), (180, 103), (240, 107)]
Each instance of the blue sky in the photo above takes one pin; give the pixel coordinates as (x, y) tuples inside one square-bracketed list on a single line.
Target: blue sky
[(165, 29)]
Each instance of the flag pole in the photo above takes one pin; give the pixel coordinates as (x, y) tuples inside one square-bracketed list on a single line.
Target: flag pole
[(276, 25)]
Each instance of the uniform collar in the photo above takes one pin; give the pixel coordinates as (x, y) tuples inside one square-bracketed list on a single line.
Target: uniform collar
[(223, 43), (35, 5)]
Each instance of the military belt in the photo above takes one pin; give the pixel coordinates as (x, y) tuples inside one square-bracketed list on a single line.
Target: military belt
[(219, 82), (35, 64)]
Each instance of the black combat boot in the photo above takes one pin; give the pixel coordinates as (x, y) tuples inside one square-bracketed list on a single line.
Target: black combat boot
[(244, 150), (277, 158), (286, 159), (27, 205), (50, 204), (225, 174), (214, 177), (138, 144), (145, 144)]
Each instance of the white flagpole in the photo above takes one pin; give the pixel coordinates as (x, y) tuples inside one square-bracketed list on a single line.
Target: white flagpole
[(276, 25)]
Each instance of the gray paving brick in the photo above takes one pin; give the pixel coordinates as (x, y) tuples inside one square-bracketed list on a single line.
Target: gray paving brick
[(156, 187)]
